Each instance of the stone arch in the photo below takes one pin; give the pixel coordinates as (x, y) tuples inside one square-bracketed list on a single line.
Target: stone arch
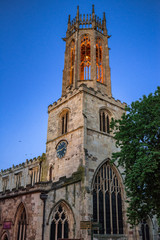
[(62, 212), (109, 198), (5, 236), (21, 215)]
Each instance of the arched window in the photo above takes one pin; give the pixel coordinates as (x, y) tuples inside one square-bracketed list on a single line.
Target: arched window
[(21, 234), (145, 230), (72, 57), (85, 65), (59, 225), (99, 67), (104, 121), (107, 201), (51, 173), (5, 237), (64, 122)]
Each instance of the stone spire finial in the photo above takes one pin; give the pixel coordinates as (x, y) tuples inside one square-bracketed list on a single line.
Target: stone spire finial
[(77, 17), (93, 17), (104, 23), (93, 9), (69, 21)]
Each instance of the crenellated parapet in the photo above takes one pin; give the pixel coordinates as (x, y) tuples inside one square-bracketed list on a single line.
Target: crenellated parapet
[(21, 175)]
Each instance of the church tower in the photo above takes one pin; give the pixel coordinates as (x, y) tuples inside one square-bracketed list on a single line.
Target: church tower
[(79, 141), (73, 191)]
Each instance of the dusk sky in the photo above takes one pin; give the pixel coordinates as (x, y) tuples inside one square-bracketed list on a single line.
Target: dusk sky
[(32, 61)]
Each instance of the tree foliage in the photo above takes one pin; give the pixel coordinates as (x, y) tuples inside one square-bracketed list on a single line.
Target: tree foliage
[(137, 135)]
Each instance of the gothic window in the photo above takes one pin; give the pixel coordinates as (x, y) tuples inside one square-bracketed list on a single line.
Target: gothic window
[(50, 173), (34, 174), (104, 121), (145, 231), (59, 225), (107, 201), (64, 122), (18, 179), (85, 65), (5, 181), (5, 237), (72, 58), (21, 234), (99, 68)]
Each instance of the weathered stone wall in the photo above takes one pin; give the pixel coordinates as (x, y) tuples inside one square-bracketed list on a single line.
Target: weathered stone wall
[(34, 210), (74, 137)]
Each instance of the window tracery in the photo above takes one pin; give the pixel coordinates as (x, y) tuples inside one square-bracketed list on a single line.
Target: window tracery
[(60, 224), (22, 223), (72, 58), (5, 181), (85, 65), (104, 121), (99, 67), (34, 174), (18, 177), (107, 201)]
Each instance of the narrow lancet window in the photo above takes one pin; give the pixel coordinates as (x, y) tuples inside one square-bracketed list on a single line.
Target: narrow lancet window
[(99, 68), (72, 58), (22, 226), (64, 122), (85, 66), (104, 121)]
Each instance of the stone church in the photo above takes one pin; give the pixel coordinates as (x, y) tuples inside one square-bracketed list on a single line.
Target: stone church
[(72, 191)]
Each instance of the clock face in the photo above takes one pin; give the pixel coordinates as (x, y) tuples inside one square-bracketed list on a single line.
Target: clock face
[(61, 149)]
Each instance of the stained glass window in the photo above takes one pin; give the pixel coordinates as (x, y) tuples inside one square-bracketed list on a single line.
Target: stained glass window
[(59, 225), (107, 203)]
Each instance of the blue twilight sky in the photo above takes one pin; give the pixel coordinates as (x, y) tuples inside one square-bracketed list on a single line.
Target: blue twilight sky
[(32, 60)]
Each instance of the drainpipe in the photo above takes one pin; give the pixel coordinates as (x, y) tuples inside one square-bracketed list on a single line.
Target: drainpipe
[(43, 197)]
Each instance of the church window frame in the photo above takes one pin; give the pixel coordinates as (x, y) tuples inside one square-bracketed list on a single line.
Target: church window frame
[(85, 58), (108, 200), (64, 121), (72, 61), (21, 223), (145, 230), (61, 213), (51, 173), (34, 175), (5, 181), (104, 121), (99, 60), (18, 179)]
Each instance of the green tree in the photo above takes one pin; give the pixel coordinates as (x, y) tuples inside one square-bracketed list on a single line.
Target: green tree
[(137, 135)]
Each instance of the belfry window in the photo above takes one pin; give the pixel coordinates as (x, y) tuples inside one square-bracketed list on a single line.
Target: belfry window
[(72, 58), (59, 225), (85, 65), (104, 121), (21, 235), (107, 201), (64, 122), (99, 68)]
